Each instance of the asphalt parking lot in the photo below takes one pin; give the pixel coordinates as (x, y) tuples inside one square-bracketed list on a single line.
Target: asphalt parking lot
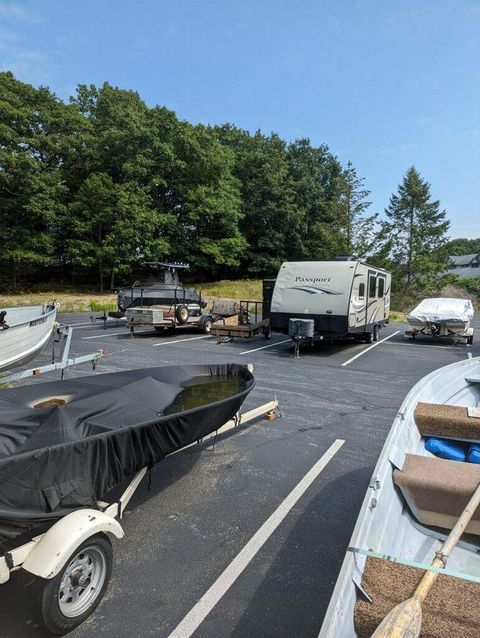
[(207, 502)]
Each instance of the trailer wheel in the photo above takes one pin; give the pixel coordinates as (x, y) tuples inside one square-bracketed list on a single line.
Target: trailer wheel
[(74, 593), (207, 326), (182, 314), (368, 337), (268, 333), (470, 340), (375, 332)]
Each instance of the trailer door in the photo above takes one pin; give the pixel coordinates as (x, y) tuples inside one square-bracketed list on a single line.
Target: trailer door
[(371, 296)]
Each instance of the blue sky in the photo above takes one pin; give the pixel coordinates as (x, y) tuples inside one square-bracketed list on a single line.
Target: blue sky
[(385, 83)]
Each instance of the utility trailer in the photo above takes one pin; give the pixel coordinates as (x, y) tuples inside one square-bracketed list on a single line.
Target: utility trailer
[(343, 298), (179, 313), (74, 557), (249, 323)]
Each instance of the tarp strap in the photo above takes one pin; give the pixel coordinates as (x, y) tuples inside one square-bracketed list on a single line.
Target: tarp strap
[(411, 563)]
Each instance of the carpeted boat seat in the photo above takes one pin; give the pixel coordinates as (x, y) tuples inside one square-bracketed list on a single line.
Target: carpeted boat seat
[(446, 421), (451, 608), (438, 490)]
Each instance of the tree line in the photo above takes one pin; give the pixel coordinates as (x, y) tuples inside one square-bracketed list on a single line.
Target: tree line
[(92, 188)]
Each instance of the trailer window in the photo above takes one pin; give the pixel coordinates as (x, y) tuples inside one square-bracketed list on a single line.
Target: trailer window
[(381, 287), (372, 286), (361, 291)]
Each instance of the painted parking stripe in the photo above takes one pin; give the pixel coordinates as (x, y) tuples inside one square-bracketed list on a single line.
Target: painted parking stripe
[(107, 334), (427, 345), (200, 611), (270, 345), (167, 343), (374, 345)]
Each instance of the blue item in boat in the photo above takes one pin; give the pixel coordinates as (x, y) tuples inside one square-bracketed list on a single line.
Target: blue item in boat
[(445, 449), (473, 454)]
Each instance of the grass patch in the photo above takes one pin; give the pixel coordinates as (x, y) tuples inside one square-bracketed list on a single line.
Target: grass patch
[(241, 289), (69, 302), (95, 302), (397, 317), (103, 306)]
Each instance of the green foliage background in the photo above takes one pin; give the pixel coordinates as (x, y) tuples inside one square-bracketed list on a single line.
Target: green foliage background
[(91, 189)]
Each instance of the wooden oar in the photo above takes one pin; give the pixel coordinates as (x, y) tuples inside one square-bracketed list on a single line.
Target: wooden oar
[(405, 620)]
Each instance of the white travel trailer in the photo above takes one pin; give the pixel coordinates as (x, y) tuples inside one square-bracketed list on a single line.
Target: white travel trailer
[(343, 297)]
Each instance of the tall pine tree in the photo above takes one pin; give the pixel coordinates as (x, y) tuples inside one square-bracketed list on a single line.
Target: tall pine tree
[(416, 228)]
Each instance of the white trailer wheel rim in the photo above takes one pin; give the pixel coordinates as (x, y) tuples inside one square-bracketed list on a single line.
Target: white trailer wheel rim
[(82, 582)]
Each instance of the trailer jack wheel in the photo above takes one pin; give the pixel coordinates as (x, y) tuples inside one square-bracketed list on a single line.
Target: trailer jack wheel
[(74, 593)]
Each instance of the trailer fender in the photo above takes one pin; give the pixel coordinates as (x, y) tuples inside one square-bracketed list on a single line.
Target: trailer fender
[(54, 548)]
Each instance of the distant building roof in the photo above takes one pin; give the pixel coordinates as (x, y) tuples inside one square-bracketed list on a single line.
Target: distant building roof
[(465, 272), (465, 260)]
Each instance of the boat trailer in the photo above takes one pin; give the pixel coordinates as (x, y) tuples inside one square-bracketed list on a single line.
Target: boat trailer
[(74, 556), (62, 335)]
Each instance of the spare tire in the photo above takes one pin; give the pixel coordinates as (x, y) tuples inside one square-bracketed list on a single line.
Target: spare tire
[(182, 313)]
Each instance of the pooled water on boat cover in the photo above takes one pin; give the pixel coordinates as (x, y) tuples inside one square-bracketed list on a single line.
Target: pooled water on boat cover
[(202, 390)]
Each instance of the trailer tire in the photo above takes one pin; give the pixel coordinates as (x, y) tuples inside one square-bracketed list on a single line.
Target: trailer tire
[(375, 332), (268, 333), (207, 326), (470, 340), (182, 314), (368, 337), (92, 560)]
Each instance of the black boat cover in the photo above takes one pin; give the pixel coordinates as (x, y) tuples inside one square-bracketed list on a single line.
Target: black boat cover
[(59, 458)]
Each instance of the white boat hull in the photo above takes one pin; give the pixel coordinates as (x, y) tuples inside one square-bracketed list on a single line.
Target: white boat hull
[(28, 332)]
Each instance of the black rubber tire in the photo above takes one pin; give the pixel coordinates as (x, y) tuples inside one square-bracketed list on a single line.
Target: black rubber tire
[(207, 326), (268, 333), (53, 619), (375, 333), (470, 340), (368, 337), (182, 314)]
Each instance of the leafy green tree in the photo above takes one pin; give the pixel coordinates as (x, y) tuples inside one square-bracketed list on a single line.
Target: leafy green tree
[(416, 229), (37, 133), (112, 227), (462, 246), (313, 172)]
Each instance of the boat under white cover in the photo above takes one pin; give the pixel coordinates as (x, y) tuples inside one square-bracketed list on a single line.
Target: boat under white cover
[(386, 528), (24, 332), (441, 317)]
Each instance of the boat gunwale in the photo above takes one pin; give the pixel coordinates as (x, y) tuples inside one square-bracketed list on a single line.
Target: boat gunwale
[(46, 312), (143, 424)]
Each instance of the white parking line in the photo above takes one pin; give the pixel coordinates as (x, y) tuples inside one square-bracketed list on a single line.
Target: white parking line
[(167, 343), (200, 611), (109, 334), (269, 346), (426, 345), (374, 345)]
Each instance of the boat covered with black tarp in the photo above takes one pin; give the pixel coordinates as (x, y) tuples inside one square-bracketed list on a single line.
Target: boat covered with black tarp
[(64, 445)]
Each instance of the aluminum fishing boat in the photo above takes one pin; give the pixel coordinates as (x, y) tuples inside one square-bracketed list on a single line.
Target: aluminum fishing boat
[(412, 502), (24, 332)]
